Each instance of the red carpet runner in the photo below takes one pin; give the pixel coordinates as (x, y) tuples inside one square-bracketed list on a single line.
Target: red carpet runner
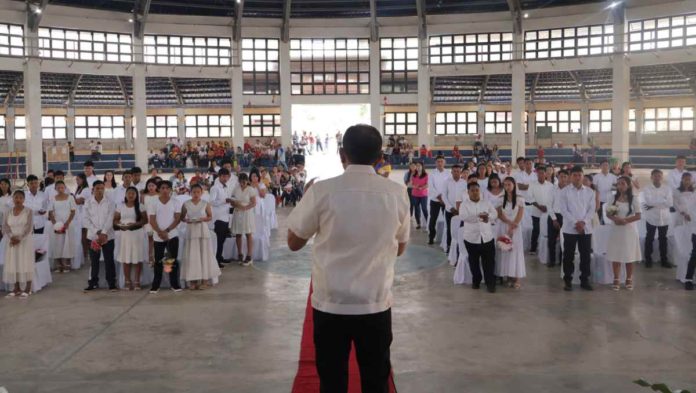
[(307, 380)]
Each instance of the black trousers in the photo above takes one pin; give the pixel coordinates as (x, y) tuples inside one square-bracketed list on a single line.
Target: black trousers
[(372, 336), (584, 244), (94, 256), (553, 238), (434, 213), (222, 232), (482, 255), (535, 234), (692, 261), (448, 219), (661, 238), (412, 204), (172, 247)]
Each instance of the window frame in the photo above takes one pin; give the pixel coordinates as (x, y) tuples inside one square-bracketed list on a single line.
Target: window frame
[(444, 121), (249, 127), (652, 115), (100, 126), (261, 82), (74, 44), (653, 34), (556, 124), (470, 48), (601, 121), (11, 40), (197, 127), (393, 125), (179, 49), (53, 128), (154, 129), (403, 81), (557, 43)]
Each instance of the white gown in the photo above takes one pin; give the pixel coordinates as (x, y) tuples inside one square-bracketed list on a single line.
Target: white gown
[(130, 246), (243, 221), (62, 244), (198, 260), (511, 262), (624, 242), (19, 259)]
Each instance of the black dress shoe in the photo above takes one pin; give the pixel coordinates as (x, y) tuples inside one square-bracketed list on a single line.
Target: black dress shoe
[(568, 286), (430, 242), (689, 285), (491, 289), (666, 265), (648, 264), (221, 266), (476, 286), (586, 286), (113, 288), (91, 287), (551, 265)]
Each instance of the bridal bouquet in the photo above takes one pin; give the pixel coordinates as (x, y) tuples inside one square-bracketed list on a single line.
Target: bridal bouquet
[(612, 210), (59, 227), (95, 246), (168, 263), (504, 243)]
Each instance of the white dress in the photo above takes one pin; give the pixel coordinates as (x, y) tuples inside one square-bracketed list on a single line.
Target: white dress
[(682, 202), (148, 201), (243, 221), (62, 244), (511, 262), (623, 242), (19, 259), (198, 261), (130, 247)]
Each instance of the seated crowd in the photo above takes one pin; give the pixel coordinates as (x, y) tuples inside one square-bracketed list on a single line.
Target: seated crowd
[(177, 225)]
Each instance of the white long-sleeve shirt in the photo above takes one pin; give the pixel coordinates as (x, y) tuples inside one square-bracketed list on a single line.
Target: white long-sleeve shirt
[(605, 185), (556, 204), (542, 194), (475, 230), (674, 178), (522, 177), (99, 216), (437, 182), (36, 203), (577, 204), (657, 201), (219, 194), (453, 191)]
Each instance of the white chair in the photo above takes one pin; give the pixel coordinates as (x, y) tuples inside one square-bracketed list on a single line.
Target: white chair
[(543, 248), (456, 246), (680, 244), (527, 228), (440, 226), (602, 272), (269, 204)]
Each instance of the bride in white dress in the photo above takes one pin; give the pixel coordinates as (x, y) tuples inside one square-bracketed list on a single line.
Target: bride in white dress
[(19, 257), (624, 242), (510, 215), (199, 264), (62, 209), (130, 218)]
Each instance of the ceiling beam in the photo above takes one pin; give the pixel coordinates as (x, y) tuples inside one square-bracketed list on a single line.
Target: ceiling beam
[(374, 29), (422, 20), (73, 90), (516, 10), (482, 90), (581, 85), (33, 17), (285, 27), (124, 92), (177, 92), (689, 80), (238, 12), (13, 91), (140, 13), (532, 90)]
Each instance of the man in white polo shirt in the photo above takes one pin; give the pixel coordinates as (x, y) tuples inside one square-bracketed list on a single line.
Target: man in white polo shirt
[(540, 196), (456, 186), (437, 185), (675, 175), (361, 222), (605, 182)]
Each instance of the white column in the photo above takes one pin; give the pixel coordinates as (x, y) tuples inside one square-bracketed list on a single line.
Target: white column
[(9, 128), (181, 124), (140, 116), (640, 121), (518, 104), (285, 95), (128, 114), (32, 111), (424, 98), (531, 126), (237, 107), (584, 122), (621, 86), (70, 123), (376, 108), (481, 122)]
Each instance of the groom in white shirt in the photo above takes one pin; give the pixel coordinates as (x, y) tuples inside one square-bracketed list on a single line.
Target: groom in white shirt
[(657, 199)]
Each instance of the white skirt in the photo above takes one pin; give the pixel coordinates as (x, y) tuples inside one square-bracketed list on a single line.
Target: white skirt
[(243, 222), (623, 245), (511, 262), (62, 245), (19, 261), (198, 261), (130, 248)]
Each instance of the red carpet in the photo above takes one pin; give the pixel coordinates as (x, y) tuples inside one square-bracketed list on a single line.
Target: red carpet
[(307, 380)]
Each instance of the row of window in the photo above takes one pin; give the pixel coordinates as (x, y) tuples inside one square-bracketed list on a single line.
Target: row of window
[(470, 48), (11, 40), (84, 45), (169, 49)]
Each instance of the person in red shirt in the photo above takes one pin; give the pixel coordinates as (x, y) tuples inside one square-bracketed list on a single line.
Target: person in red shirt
[(247, 147), (423, 151), (540, 154)]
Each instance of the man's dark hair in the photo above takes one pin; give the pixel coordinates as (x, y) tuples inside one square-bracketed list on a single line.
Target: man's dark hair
[(439, 157), (50, 171), (540, 168), (563, 172), (97, 183), (89, 163), (469, 186), (362, 144), (576, 169), (604, 161), (164, 183), (681, 157), (31, 178), (519, 158), (58, 173), (126, 172), (223, 171), (528, 160), (473, 176), (136, 170), (456, 166), (654, 171)]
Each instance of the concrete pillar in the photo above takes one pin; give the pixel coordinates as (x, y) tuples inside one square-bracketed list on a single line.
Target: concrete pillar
[(181, 124), (237, 107), (70, 123), (32, 112), (140, 116), (128, 123), (640, 121), (376, 109), (531, 126), (584, 122), (285, 95), (9, 128), (481, 122), (518, 104), (621, 86), (424, 98)]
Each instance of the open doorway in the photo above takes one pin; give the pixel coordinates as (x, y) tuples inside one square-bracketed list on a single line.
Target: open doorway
[(322, 121)]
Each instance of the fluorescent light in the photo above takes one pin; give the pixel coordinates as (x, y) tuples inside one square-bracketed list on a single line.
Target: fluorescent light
[(130, 20), (614, 4), (37, 10), (526, 15)]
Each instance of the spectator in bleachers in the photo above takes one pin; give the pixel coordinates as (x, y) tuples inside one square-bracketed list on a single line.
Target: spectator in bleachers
[(71, 151), (456, 154), (494, 153)]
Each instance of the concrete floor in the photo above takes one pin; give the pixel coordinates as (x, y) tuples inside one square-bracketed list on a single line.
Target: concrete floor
[(243, 336)]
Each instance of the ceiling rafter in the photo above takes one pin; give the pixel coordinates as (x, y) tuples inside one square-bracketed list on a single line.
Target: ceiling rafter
[(73, 90), (482, 90), (124, 92), (584, 95), (532, 89), (140, 13), (421, 8), (34, 17), (285, 27), (177, 92), (689, 80), (238, 11), (374, 28)]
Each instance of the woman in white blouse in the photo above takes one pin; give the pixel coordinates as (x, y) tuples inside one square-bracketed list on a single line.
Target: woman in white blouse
[(624, 244), (683, 197)]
